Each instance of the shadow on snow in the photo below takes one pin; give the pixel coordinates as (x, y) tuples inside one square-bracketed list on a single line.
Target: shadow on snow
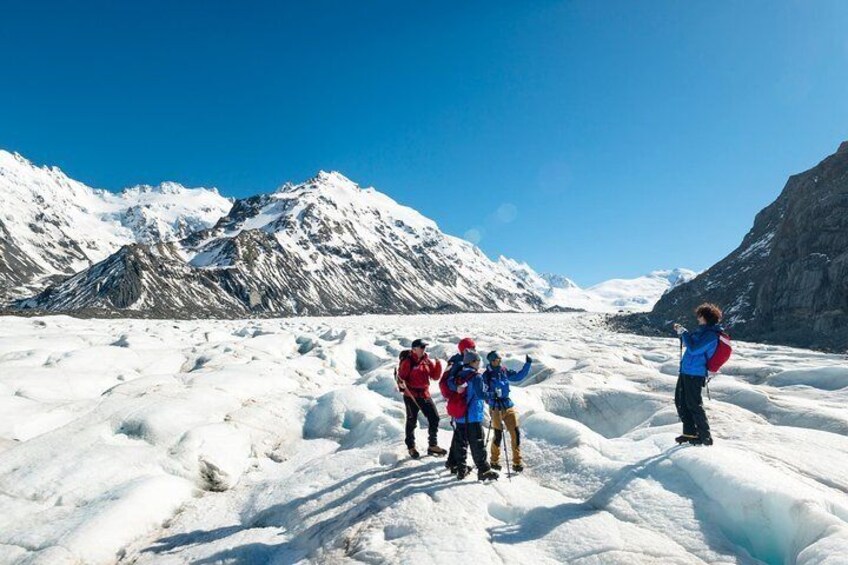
[(366, 500)]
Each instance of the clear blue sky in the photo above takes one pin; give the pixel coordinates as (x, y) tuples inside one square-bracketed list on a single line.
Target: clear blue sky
[(593, 139)]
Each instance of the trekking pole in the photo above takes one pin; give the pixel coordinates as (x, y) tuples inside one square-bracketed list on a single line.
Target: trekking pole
[(488, 431), (402, 389), (503, 438)]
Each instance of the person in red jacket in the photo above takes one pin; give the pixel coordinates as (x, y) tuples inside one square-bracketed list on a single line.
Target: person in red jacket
[(415, 372)]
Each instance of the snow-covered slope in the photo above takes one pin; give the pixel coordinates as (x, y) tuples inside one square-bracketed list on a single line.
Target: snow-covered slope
[(53, 225), (325, 246), (641, 293), (281, 441), (631, 295)]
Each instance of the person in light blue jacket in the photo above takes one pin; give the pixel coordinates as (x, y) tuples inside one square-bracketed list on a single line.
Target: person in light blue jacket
[(469, 382), (700, 346)]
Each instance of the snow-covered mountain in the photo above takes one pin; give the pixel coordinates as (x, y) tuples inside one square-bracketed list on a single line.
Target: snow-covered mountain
[(325, 246), (53, 226), (638, 294), (632, 295), (558, 281)]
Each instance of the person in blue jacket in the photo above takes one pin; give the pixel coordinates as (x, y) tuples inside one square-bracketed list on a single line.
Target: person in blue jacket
[(501, 407), (469, 382), (700, 346)]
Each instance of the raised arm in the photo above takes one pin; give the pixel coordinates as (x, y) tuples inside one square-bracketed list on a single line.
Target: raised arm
[(698, 347), (516, 376)]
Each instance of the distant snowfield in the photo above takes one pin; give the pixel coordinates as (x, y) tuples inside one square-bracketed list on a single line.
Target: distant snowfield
[(638, 294), (282, 441)]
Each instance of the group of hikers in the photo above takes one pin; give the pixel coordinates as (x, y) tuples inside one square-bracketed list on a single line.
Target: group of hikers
[(469, 390)]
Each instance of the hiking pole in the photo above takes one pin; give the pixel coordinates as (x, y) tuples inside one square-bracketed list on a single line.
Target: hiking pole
[(503, 438), (402, 389), (488, 431)]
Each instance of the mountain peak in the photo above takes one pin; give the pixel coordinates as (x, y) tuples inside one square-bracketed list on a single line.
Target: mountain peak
[(166, 187), (843, 147), (559, 281), (333, 178)]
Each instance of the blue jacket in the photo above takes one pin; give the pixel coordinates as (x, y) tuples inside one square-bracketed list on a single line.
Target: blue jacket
[(475, 394), (700, 346), (497, 384)]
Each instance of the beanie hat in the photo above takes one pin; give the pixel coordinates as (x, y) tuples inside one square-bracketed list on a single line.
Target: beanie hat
[(492, 356), (469, 357)]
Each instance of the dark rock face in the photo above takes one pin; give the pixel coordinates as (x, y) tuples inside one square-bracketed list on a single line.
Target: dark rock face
[(787, 282)]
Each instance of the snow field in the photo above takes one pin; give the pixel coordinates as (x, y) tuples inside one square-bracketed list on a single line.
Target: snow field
[(281, 441)]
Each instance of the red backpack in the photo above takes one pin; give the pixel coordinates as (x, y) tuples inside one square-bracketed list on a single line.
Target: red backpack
[(457, 406), (722, 353)]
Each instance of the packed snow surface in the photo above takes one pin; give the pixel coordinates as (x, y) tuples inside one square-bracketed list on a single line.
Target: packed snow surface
[(281, 441)]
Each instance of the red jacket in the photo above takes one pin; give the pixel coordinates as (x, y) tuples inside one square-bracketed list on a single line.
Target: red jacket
[(416, 375)]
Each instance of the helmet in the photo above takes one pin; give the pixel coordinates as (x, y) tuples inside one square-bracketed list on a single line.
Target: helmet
[(466, 343)]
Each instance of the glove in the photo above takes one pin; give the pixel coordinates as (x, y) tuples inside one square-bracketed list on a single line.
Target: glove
[(528, 359)]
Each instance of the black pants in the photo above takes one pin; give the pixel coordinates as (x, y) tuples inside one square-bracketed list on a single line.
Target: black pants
[(690, 406), (428, 407), (471, 435), (457, 446)]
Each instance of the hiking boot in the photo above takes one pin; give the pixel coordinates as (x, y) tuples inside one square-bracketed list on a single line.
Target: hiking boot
[(436, 450), (496, 466), (684, 438), (462, 472), (702, 441), (490, 475), (414, 453), (518, 467)]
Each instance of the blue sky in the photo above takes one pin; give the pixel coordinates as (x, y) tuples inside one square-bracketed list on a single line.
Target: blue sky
[(593, 139)]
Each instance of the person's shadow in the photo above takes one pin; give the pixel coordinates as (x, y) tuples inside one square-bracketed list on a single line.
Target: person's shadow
[(373, 492), (538, 522)]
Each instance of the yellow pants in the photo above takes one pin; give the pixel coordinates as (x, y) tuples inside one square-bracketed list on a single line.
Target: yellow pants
[(510, 418)]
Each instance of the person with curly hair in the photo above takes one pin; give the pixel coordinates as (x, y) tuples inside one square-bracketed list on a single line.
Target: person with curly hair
[(700, 346)]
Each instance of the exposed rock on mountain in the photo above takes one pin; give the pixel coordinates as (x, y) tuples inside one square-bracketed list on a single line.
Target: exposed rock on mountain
[(788, 280)]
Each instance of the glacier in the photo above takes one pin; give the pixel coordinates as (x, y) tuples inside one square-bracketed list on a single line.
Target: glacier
[(281, 441)]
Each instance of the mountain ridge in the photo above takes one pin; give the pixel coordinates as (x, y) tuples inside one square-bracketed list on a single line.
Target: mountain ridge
[(319, 247)]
